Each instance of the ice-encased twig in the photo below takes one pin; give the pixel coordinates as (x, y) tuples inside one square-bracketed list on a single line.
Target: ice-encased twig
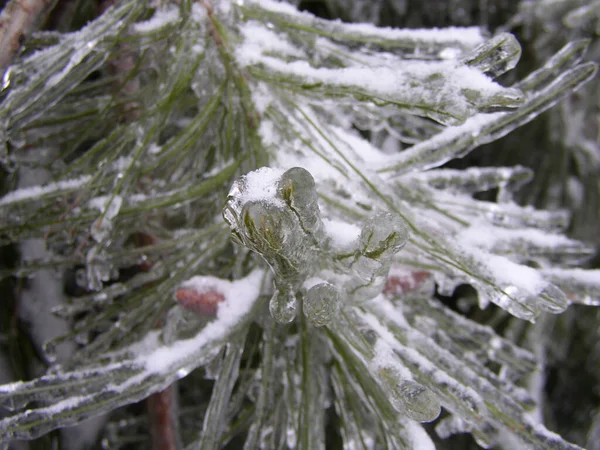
[(447, 91), (391, 428), (474, 179), (471, 336), (309, 365), (493, 404), (421, 43), (214, 419), (458, 141), (266, 396)]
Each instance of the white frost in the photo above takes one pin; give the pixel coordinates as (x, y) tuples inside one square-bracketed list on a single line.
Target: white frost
[(342, 234), (37, 191), (240, 296), (261, 185)]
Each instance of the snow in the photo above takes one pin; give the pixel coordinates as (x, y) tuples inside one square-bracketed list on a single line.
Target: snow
[(385, 358), (342, 234), (487, 237), (419, 439), (199, 13), (33, 192), (262, 98), (505, 272), (403, 81), (263, 38), (261, 185), (161, 18), (363, 148), (154, 149)]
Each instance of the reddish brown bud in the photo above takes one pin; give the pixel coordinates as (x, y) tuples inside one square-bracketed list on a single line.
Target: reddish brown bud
[(401, 284), (205, 303)]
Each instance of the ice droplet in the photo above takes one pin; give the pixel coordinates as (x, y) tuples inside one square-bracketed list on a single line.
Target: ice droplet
[(420, 403), (283, 306), (6, 79), (49, 350), (410, 397), (321, 303), (553, 300)]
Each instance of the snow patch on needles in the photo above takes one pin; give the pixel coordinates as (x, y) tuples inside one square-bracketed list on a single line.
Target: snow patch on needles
[(261, 39), (487, 237), (261, 185), (386, 81), (502, 270), (465, 36), (161, 19), (342, 234), (240, 296)]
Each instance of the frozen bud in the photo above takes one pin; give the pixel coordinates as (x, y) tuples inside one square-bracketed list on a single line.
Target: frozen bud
[(269, 228), (283, 306), (403, 281), (321, 303), (297, 188), (410, 397), (496, 56), (383, 235), (259, 186)]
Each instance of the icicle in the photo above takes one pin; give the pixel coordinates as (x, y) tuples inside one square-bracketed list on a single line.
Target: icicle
[(297, 188), (283, 306)]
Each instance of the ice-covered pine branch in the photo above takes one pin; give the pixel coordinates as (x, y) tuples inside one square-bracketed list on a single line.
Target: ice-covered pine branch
[(259, 194)]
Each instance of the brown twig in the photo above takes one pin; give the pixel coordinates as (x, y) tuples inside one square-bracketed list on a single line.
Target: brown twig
[(162, 406), (18, 18), (162, 415)]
